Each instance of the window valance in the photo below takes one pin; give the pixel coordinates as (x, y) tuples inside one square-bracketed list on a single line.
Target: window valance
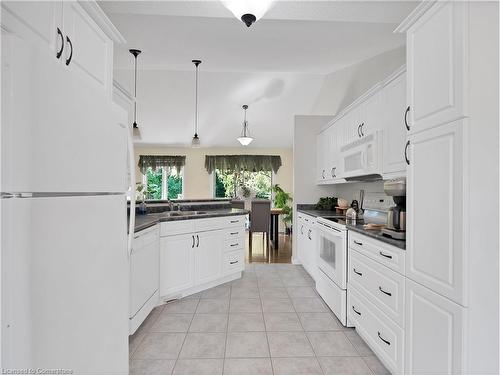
[(160, 161), (239, 163)]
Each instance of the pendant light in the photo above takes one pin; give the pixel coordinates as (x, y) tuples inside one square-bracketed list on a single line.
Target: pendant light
[(245, 139), (249, 11), (136, 133), (195, 142)]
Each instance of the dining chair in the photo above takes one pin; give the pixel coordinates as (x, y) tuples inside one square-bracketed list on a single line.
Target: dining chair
[(260, 220)]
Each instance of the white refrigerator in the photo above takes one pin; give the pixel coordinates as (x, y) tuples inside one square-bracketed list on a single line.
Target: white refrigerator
[(65, 172)]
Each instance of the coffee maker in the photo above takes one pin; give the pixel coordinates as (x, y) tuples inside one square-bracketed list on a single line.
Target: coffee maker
[(396, 215)]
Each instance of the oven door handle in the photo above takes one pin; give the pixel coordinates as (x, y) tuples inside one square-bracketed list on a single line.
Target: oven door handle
[(329, 227)]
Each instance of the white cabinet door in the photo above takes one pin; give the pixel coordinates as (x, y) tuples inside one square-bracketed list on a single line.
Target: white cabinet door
[(437, 65), (352, 125), (328, 155), (36, 21), (57, 134), (434, 333), (208, 256), (371, 114), (394, 110), (176, 263), (436, 204), (90, 49)]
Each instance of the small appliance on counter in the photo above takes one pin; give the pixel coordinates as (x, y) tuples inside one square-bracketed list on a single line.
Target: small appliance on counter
[(396, 215)]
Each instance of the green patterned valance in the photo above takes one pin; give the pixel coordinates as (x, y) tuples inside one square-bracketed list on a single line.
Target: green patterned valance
[(237, 163), (160, 161)]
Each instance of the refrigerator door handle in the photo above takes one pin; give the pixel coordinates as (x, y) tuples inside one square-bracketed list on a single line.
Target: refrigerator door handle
[(131, 192)]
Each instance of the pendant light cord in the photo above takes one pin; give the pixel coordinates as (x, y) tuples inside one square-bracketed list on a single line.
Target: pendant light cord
[(135, 91), (196, 103)]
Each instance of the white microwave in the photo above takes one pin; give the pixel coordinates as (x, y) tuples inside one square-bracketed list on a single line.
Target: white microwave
[(363, 156)]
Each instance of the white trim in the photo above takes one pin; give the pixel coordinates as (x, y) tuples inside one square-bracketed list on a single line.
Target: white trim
[(413, 17), (97, 14)]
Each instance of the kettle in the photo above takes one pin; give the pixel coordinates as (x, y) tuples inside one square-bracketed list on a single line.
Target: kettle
[(396, 218)]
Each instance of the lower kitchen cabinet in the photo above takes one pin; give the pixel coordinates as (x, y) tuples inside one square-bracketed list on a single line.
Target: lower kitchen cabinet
[(200, 254), (307, 243), (208, 256), (435, 342), (176, 263)]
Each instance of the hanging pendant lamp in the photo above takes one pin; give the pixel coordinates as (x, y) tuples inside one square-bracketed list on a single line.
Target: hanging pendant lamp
[(136, 133), (248, 11), (195, 142), (245, 139)]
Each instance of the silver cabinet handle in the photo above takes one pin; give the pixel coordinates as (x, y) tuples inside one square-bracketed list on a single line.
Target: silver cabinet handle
[(358, 243), (234, 244), (233, 221), (309, 234), (357, 273), (233, 233), (193, 242), (383, 291), (197, 241), (301, 229), (384, 340), (385, 255), (356, 311), (233, 262)]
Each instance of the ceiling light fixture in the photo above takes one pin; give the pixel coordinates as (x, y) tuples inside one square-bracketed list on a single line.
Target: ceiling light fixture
[(195, 142), (136, 133), (249, 11), (245, 139)]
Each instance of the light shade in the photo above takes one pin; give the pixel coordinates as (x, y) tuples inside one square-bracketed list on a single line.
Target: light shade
[(245, 141), (195, 142), (241, 8), (136, 133)]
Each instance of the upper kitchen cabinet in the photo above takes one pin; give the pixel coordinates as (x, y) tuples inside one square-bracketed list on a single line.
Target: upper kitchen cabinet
[(436, 202), (437, 43), (77, 35), (88, 51), (39, 22), (393, 119), (370, 114)]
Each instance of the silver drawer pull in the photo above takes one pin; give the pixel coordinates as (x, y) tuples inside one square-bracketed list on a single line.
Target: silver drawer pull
[(234, 244), (233, 262), (233, 233), (381, 338), (356, 311), (358, 243), (383, 291), (233, 221), (385, 255), (357, 273)]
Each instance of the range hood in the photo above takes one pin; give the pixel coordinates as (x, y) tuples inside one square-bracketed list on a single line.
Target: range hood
[(364, 178)]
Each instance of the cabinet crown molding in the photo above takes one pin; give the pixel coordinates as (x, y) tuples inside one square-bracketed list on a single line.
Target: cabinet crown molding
[(414, 16), (101, 19)]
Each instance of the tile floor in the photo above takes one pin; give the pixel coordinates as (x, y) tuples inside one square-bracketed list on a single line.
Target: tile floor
[(271, 321)]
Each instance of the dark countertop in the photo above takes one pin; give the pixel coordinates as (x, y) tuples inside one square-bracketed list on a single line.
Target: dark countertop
[(377, 234), (146, 221), (358, 227)]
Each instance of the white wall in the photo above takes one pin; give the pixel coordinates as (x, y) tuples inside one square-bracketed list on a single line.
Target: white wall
[(342, 87)]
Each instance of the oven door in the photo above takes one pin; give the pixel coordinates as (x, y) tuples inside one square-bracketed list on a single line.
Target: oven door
[(332, 254)]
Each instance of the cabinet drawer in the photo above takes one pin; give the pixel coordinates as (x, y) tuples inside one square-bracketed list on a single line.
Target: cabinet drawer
[(382, 286), (234, 244), (215, 223), (233, 233), (233, 261), (388, 255), (383, 336), (171, 228)]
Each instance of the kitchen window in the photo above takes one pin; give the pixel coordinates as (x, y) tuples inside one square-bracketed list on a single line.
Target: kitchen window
[(245, 184), (163, 183)]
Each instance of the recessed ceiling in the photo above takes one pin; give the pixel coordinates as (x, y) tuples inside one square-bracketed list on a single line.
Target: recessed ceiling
[(277, 66), (303, 37)]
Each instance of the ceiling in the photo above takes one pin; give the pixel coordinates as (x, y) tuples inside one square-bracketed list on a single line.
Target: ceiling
[(294, 37)]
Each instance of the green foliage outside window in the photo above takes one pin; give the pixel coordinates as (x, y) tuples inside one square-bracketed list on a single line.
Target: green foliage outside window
[(154, 184), (227, 183)]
